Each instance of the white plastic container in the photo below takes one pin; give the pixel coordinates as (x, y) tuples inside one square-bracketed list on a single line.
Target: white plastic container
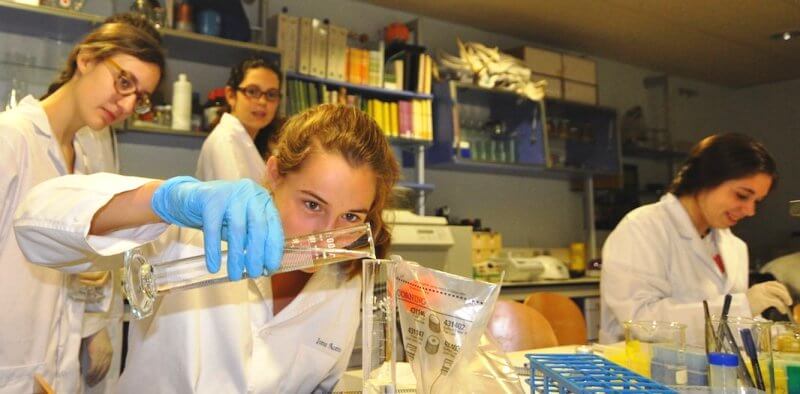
[(182, 104)]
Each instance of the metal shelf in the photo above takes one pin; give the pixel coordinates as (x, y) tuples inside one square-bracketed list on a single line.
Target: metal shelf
[(218, 51), (365, 89), (47, 22), (528, 170), (156, 129), (651, 154), (469, 86), (428, 187), (408, 143), (71, 26)]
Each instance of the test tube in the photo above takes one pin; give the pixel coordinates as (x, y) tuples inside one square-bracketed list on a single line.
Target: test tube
[(379, 326), (142, 281)]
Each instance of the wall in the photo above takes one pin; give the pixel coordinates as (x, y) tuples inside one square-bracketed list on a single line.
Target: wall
[(769, 113)]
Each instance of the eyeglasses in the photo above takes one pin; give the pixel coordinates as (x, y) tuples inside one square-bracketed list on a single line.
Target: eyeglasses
[(125, 85), (253, 92)]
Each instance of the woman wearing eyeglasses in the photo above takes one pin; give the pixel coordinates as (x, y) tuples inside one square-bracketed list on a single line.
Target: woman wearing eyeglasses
[(253, 93), (108, 76)]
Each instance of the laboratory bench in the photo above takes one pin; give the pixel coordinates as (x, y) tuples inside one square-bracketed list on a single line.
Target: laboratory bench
[(586, 287)]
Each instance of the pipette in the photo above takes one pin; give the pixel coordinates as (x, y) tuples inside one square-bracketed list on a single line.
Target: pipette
[(142, 281)]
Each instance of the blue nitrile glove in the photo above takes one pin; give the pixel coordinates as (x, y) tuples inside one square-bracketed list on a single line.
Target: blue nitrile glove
[(239, 212)]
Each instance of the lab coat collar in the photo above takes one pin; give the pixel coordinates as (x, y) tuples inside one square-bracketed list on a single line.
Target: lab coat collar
[(680, 219), (34, 111), (233, 125), (33, 108)]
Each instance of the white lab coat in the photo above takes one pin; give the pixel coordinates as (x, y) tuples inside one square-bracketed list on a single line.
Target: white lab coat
[(655, 267), (220, 339), (229, 153), (40, 324), (99, 154)]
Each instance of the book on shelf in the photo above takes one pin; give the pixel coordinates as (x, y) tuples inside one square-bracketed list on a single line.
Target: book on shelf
[(393, 74), (319, 48), (336, 59), (304, 45), (316, 48), (415, 65), (397, 118), (282, 30)]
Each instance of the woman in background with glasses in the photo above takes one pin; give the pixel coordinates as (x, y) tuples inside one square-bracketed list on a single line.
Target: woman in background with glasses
[(109, 75), (253, 93)]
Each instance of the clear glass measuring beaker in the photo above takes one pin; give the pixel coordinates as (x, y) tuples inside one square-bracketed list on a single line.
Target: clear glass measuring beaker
[(656, 349), (142, 281), (732, 335)]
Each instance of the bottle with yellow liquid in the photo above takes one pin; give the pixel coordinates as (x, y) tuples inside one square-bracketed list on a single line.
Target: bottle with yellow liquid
[(577, 260)]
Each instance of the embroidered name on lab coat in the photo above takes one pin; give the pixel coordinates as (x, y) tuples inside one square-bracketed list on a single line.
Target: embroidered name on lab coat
[(328, 345)]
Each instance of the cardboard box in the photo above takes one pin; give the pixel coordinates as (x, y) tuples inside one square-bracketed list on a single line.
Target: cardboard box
[(555, 85), (580, 69), (540, 61), (580, 92)]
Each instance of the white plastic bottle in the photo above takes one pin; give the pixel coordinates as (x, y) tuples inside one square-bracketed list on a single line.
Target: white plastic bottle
[(182, 104)]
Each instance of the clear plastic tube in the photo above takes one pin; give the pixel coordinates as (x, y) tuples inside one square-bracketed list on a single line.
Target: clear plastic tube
[(143, 281)]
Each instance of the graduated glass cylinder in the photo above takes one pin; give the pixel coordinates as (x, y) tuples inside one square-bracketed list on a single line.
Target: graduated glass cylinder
[(379, 327), (143, 281), (657, 350)]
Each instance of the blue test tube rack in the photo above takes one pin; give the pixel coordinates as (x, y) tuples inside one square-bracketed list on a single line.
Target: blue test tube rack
[(586, 373)]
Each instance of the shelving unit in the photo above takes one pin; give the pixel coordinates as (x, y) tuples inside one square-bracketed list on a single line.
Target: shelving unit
[(217, 51), (61, 25), (372, 91), (484, 130), (586, 134), (70, 26), (468, 118), (138, 127)]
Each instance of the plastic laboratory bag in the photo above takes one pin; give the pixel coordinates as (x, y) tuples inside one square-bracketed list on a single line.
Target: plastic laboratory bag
[(443, 318)]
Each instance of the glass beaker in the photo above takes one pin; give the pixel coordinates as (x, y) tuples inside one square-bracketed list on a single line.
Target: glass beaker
[(656, 349), (142, 281), (729, 337), (786, 356), (379, 326)]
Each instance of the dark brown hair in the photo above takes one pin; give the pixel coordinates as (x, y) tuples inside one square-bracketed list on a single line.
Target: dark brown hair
[(239, 71), (130, 34), (720, 158)]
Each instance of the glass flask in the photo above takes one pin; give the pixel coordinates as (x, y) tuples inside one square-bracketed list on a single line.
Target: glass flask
[(142, 281)]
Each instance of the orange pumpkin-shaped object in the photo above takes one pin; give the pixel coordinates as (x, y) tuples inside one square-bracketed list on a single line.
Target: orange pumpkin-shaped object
[(396, 32)]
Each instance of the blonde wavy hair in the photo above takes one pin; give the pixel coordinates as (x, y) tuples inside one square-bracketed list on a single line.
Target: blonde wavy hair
[(354, 135)]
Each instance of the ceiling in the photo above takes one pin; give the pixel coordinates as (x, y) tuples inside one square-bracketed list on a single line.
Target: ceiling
[(719, 41)]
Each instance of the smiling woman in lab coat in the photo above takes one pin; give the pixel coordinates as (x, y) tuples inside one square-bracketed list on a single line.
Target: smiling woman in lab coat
[(253, 93), (332, 168), (664, 259), (109, 74)]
